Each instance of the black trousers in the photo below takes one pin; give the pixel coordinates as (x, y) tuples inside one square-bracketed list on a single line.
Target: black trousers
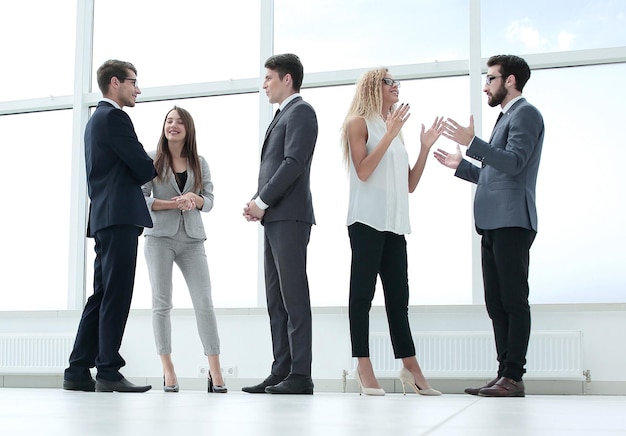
[(102, 324), (505, 261), (383, 254), (287, 293)]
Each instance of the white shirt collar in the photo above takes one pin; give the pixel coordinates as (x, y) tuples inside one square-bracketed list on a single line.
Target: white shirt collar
[(511, 103), (108, 100), (287, 100)]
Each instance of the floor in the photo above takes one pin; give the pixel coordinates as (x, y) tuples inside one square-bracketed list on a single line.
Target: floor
[(51, 412)]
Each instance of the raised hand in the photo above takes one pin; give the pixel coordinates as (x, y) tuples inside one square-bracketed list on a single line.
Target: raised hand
[(430, 136), (450, 160), (457, 133), (396, 119)]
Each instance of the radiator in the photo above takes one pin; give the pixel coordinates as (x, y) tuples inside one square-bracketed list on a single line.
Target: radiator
[(555, 355), (34, 353)]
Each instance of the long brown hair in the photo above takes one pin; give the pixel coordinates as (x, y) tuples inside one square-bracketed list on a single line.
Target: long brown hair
[(163, 161)]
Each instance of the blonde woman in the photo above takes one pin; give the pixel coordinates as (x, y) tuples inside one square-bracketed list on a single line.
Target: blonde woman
[(378, 218)]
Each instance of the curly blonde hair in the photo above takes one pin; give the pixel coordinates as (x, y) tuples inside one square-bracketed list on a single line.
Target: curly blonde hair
[(366, 103)]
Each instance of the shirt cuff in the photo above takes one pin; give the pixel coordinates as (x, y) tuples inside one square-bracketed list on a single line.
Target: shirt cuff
[(260, 203)]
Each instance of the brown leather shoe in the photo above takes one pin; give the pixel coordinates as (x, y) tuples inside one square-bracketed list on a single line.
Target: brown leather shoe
[(474, 391), (505, 387)]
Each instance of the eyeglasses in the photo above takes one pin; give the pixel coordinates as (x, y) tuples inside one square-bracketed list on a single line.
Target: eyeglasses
[(130, 80), (391, 82), (489, 79)]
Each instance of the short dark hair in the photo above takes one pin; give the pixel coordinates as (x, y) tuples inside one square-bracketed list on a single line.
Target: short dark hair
[(511, 64), (287, 63), (112, 68)]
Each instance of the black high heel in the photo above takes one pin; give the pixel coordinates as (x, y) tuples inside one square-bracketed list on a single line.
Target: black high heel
[(218, 389), (169, 388)]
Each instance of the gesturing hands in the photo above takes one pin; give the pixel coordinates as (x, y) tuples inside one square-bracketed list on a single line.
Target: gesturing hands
[(430, 136), (457, 133), (450, 160), (396, 119)]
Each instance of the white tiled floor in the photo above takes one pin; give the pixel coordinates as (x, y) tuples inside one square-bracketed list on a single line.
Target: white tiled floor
[(50, 412)]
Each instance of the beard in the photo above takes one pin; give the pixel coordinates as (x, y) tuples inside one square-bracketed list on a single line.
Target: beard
[(497, 98)]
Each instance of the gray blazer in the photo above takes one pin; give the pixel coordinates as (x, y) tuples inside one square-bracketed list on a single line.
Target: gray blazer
[(505, 192), (166, 222), (285, 172)]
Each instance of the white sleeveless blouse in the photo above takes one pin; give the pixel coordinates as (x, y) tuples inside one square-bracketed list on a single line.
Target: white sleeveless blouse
[(382, 201)]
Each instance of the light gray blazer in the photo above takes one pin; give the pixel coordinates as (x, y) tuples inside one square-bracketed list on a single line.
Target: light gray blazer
[(505, 192), (166, 222)]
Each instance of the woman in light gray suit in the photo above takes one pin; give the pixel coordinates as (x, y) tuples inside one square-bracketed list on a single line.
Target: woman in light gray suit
[(175, 198)]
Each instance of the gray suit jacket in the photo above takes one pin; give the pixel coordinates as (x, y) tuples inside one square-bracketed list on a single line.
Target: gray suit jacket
[(505, 192), (166, 222), (285, 173)]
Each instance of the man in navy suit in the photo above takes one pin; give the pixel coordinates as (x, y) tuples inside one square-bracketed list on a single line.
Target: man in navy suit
[(284, 206), (117, 166), (505, 212)]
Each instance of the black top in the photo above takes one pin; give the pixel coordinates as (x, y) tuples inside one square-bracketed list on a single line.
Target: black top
[(181, 179)]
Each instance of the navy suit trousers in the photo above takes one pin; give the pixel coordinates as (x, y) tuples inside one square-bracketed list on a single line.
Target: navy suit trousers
[(104, 317)]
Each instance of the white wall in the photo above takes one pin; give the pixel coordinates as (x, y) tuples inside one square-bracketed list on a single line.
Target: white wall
[(246, 341)]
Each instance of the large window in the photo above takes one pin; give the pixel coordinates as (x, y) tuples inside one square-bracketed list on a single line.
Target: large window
[(337, 35), (437, 243), (188, 41), (213, 51), (233, 161), (36, 208), (38, 40), (540, 26), (578, 254)]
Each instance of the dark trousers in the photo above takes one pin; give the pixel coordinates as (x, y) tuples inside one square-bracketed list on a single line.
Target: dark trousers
[(104, 317), (505, 260), (381, 254), (287, 293)]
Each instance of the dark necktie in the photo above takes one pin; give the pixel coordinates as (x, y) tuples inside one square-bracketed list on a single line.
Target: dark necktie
[(499, 116), (277, 112), (494, 128)]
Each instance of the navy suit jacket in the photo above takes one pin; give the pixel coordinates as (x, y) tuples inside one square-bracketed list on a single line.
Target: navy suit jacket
[(285, 173), (505, 192), (117, 166)]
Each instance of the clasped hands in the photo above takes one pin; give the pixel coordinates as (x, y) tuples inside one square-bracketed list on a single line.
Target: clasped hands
[(252, 212), (185, 202)]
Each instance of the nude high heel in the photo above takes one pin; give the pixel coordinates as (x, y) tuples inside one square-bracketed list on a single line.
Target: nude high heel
[(406, 376), (379, 392)]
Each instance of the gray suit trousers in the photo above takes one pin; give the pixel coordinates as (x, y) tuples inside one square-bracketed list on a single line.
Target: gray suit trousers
[(287, 292), (161, 252)]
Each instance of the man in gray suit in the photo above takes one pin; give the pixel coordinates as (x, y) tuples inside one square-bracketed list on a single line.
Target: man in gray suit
[(505, 213), (284, 206)]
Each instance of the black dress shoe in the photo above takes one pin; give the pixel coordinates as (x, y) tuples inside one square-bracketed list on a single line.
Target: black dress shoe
[(83, 385), (122, 385), (475, 391), (293, 384), (271, 380)]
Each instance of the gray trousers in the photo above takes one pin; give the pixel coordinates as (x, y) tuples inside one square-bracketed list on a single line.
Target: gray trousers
[(189, 255)]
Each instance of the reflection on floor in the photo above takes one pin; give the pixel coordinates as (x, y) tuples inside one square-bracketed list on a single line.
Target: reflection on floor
[(49, 412)]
